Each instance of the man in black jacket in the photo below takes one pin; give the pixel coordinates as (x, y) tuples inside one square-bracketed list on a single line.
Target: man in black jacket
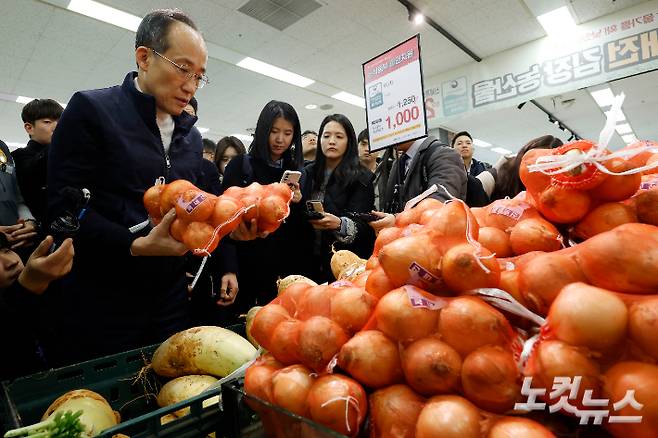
[(40, 118), (420, 165), (128, 287)]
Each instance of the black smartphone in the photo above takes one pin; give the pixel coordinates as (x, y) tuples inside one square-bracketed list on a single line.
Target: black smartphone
[(366, 217), (314, 210)]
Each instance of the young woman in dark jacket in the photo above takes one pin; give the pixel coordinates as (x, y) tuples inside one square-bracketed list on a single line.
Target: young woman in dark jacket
[(344, 187), (275, 149)]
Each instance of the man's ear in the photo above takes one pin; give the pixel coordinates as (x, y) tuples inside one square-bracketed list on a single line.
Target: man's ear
[(28, 128), (142, 58)]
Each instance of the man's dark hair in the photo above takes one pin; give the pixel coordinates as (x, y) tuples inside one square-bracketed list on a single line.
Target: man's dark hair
[(153, 31), (308, 131), (209, 145), (459, 134), (363, 135), (194, 104), (41, 109)]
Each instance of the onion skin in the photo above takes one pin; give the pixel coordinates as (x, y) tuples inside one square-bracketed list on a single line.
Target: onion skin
[(468, 323), (378, 283), (431, 367), (518, 427), (448, 416), (603, 218), (496, 240), (372, 359), (643, 378), (400, 321), (563, 206), (320, 339), (462, 272), (290, 388), (490, 379), (643, 325), (534, 234), (266, 321), (284, 341), (588, 316), (327, 404), (394, 412), (351, 308)]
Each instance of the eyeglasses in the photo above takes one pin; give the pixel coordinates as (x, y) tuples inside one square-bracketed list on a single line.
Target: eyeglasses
[(200, 80)]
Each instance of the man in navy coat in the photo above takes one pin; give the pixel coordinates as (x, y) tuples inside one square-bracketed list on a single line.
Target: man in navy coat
[(127, 288)]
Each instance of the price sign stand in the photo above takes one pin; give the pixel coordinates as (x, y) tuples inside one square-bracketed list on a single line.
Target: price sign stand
[(393, 86)]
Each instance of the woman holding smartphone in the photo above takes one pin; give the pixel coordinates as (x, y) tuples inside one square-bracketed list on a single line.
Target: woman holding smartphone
[(276, 148), (346, 191)]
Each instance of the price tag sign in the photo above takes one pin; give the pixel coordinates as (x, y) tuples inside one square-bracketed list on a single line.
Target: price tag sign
[(393, 85)]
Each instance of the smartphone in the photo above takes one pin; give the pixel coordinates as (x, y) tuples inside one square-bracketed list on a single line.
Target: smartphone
[(366, 217), (291, 176), (315, 206)]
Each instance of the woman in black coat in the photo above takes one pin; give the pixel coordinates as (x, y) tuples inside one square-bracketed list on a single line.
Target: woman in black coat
[(344, 187), (275, 149)]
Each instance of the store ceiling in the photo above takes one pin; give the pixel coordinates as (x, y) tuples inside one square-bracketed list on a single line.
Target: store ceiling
[(51, 52)]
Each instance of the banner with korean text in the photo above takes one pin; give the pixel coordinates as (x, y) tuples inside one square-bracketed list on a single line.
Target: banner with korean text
[(612, 47), (393, 85)]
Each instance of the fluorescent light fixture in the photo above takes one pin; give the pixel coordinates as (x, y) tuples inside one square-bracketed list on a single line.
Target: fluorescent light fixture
[(350, 98), (418, 18), (105, 13), (481, 143), (24, 99), (243, 137), (202, 130), (501, 151), (311, 106), (603, 97), (620, 115), (558, 22), (624, 128), (275, 72), (630, 138)]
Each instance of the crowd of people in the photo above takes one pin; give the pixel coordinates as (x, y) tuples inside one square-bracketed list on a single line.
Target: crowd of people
[(83, 271)]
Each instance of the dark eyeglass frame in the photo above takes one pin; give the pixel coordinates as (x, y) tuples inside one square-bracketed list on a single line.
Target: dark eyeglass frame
[(200, 80)]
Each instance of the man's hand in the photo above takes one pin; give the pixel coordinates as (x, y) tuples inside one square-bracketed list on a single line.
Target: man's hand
[(159, 242), (20, 234), (386, 220), (42, 268), (328, 222), (229, 289), (248, 231)]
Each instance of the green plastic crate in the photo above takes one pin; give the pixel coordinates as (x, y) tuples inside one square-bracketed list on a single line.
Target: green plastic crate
[(24, 400)]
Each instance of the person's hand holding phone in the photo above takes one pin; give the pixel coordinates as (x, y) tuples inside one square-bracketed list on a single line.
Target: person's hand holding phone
[(296, 192), (328, 222), (385, 220)]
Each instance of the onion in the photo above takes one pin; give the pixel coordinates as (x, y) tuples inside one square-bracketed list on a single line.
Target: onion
[(361, 279), (151, 201), (563, 206), (266, 321), (618, 187), (399, 320), (643, 379), (284, 341), (394, 412), (281, 190), (351, 308), (552, 359), (339, 403), (386, 236), (448, 416), (468, 323), (490, 379), (535, 234), (272, 210), (504, 214), (428, 204), (464, 270), (200, 235), (292, 296), (316, 301), (431, 367), (517, 427), (177, 229), (603, 218), (290, 388), (195, 205), (258, 381), (398, 257), (496, 241), (454, 219), (378, 283), (588, 316), (320, 339), (407, 217), (643, 325), (171, 192), (372, 359)]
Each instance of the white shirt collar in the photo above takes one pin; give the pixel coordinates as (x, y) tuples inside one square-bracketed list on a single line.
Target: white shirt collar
[(413, 149)]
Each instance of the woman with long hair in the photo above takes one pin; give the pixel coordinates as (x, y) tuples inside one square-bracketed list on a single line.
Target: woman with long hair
[(345, 188), (276, 148), (227, 148)]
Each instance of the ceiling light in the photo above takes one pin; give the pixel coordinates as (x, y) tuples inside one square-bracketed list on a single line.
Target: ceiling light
[(24, 99), (501, 151), (105, 13), (311, 106), (481, 143), (418, 18), (603, 97), (620, 115), (630, 138), (243, 137), (275, 72), (558, 22), (350, 98), (202, 130), (624, 128)]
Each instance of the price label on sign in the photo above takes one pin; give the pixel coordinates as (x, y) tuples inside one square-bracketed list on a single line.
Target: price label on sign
[(393, 85)]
